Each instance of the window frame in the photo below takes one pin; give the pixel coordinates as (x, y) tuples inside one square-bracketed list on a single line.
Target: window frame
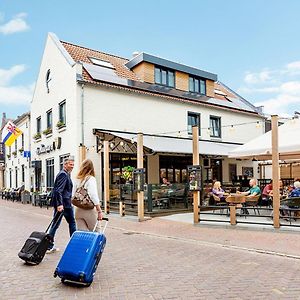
[(62, 113), (50, 163), (49, 119), (192, 85), (168, 71), (61, 160), (211, 117), (39, 124), (199, 121)]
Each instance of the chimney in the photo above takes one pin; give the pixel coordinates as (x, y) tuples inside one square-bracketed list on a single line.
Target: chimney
[(4, 120), (135, 53)]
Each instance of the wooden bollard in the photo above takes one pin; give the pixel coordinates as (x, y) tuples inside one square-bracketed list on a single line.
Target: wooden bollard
[(122, 208), (232, 214)]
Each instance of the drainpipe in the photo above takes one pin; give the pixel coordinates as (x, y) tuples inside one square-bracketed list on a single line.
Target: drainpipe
[(82, 115)]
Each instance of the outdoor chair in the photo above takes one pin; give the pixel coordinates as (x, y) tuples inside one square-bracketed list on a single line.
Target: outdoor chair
[(253, 203), (218, 202), (180, 196)]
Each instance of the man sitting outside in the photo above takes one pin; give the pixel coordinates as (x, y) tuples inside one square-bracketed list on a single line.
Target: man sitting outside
[(254, 191)]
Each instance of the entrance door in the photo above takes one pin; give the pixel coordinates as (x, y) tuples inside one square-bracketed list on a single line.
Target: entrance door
[(232, 172), (216, 166)]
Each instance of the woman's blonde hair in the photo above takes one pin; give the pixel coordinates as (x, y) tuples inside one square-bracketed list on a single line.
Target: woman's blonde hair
[(217, 185), (86, 169)]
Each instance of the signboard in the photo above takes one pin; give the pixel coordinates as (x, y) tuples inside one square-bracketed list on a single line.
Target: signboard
[(138, 179), (2, 152), (195, 178)]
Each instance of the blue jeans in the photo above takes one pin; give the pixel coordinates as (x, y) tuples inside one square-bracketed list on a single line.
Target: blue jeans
[(68, 213)]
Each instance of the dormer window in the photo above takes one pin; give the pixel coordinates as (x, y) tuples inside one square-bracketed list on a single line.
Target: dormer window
[(197, 85), (164, 76)]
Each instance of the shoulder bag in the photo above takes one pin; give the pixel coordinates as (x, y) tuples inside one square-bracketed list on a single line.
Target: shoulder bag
[(82, 198)]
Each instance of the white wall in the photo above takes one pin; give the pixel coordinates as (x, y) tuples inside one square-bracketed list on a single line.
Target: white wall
[(62, 87)]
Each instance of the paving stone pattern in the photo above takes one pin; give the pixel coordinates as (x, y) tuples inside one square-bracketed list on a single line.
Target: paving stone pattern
[(156, 259)]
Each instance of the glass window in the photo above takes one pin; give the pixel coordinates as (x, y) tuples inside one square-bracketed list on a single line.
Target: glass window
[(62, 112), (50, 172), (197, 85), (193, 119), (16, 145), (164, 76), (49, 119), (61, 160), (215, 126), (10, 178), (23, 174), (38, 125), (23, 141), (16, 183)]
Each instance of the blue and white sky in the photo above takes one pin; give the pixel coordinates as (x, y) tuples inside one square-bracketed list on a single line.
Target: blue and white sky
[(253, 45)]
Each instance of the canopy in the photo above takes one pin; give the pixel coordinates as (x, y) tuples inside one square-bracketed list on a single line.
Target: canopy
[(261, 147)]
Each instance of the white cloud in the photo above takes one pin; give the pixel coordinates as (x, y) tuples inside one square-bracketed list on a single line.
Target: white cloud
[(7, 75), (16, 24), (14, 94), (260, 77), (293, 66)]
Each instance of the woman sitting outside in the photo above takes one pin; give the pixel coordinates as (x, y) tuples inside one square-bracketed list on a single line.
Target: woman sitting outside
[(218, 191)]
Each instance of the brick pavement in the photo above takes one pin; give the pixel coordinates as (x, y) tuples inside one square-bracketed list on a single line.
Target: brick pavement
[(156, 259)]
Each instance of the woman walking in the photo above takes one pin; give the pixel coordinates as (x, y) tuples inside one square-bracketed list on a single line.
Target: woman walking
[(87, 218)]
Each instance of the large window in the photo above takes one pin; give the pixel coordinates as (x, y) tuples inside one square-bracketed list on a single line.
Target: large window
[(62, 112), (61, 160), (215, 126), (23, 174), (197, 85), (49, 119), (193, 120), (22, 141), (50, 172), (38, 125), (16, 173), (164, 76)]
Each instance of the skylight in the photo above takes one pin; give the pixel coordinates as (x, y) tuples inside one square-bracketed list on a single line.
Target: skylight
[(219, 92), (102, 63)]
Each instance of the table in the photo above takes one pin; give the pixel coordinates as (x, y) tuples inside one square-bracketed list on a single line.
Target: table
[(234, 200)]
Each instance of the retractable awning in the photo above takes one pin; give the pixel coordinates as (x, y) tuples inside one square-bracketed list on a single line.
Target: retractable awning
[(168, 144)]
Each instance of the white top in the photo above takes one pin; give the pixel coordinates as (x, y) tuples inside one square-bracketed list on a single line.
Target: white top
[(91, 186)]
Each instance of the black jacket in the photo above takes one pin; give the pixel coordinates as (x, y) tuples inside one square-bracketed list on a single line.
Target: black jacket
[(62, 190)]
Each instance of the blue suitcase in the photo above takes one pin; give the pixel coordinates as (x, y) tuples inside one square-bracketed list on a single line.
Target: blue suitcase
[(80, 260)]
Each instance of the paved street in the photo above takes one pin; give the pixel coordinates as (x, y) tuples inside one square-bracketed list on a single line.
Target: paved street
[(156, 259)]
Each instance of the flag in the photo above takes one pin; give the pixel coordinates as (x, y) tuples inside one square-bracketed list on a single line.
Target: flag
[(10, 133)]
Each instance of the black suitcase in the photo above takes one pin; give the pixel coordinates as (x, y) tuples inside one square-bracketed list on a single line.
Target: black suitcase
[(36, 245)]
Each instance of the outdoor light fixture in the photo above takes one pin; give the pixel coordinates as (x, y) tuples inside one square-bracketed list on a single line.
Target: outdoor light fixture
[(257, 124), (122, 143), (112, 145)]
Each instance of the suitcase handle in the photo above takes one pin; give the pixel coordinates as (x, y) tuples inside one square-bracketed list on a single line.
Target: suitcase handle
[(103, 219), (56, 213)]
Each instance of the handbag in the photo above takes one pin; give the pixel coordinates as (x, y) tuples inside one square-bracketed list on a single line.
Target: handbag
[(82, 198)]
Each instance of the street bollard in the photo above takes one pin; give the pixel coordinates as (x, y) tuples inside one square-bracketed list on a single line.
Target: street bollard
[(122, 208), (232, 214)]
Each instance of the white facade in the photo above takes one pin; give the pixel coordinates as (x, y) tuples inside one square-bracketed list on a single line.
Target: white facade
[(17, 171), (90, 106)]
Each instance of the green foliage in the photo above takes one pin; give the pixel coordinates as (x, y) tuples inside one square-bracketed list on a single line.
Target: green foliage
[(127, 173)]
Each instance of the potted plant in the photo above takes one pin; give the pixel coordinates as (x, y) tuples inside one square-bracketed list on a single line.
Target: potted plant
[(37, 136), (21, 150), (8, 156), (47, 131), (60, 124), (127, 173), (14, 153)]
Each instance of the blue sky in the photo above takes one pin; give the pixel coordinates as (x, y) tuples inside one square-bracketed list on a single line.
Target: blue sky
[(252, 45)]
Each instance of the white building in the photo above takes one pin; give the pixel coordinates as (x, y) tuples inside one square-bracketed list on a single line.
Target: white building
[(17, 160), (83, 97)]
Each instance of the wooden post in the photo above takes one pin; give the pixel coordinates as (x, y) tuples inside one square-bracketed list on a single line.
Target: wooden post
[(106, 177), (121, 208), (232, 208), (82, 154), (275, 171), (196, 194), (140, 165)]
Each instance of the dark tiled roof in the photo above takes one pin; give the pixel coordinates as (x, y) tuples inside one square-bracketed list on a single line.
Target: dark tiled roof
[(82, 54)]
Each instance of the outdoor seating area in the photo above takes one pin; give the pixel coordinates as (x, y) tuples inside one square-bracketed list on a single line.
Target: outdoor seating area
[(41, 199)]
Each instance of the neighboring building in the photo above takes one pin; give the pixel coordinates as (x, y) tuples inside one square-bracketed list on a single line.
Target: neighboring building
[(83, 97), (2, 153), (18, 156)]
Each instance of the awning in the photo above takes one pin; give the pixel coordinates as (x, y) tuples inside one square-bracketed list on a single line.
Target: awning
[(167, 144)]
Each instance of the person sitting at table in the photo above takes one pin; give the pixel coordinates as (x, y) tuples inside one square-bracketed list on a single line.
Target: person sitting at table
[(296, 191), (254, 190), (165, 182), (218, 191)]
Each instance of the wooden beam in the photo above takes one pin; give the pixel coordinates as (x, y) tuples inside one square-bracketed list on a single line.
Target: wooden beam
[(196, 194), (140, 165), (82, 154), (275, 171), (106, 177)]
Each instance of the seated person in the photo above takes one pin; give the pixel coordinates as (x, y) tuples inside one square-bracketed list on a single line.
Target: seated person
[(218, 191), (254, 190), (165, 182), (296, 191), (268, 189)]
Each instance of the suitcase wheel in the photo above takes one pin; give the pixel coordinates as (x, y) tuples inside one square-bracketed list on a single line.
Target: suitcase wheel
[(63, 280), (55, 274)]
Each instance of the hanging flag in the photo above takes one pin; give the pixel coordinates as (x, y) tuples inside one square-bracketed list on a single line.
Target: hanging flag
[(10, 133)]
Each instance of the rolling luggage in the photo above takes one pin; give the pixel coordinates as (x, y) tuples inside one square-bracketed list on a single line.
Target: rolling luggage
[(80, 260), (36, 245)]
